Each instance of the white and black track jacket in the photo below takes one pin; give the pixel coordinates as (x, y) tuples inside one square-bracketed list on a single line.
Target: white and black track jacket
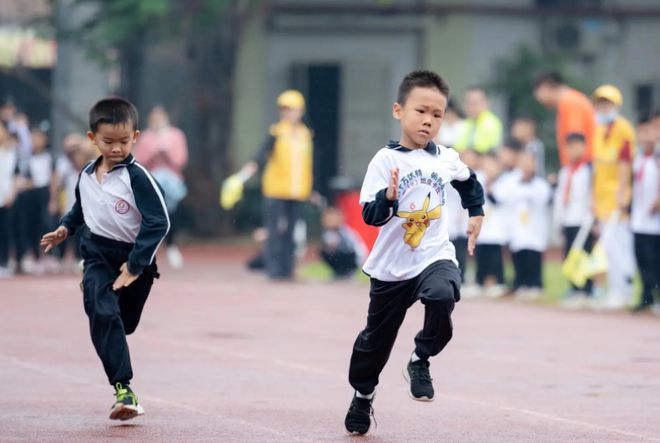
[(127, 205)]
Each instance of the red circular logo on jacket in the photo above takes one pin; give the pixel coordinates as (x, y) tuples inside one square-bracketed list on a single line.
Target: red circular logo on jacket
[(122, 206)]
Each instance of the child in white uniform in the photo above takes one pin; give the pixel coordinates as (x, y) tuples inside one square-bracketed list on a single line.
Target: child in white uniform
[(528, 196), (493, 237), (573, 199), (645, 216)]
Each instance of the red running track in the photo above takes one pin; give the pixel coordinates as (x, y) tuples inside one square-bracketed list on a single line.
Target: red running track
[(224, 356)]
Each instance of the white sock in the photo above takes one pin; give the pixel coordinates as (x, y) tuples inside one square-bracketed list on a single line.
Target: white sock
[(358, 394), (414, 357)]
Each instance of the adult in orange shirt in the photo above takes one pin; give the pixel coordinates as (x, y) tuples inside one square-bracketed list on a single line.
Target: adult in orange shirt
[(575, 113)]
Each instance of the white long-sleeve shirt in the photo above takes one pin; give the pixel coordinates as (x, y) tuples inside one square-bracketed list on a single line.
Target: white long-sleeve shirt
[(573, 196), (645, 193), (414, 229), (529, 216), (494, 228)]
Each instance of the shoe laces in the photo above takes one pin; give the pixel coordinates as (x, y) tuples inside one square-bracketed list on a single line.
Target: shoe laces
[(420, 371), (354, 406), (121, 391)]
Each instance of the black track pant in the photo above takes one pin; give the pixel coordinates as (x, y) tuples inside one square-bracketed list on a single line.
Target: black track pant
[(112, 315), (570, 232), (460, 244), (4, 236), (647, 255), (438, 287), (489, 263), (528, 266), (280, 217), (342, 263)]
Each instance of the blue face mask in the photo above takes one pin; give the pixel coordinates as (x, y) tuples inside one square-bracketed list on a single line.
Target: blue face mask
[(605, 118)]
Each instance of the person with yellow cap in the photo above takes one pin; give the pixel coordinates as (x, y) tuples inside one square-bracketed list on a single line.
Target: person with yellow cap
[(613, 151), (286, 159)]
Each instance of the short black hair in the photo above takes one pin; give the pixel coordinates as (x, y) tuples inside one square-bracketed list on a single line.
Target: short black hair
[(645, 118), (525, 118), (576, 137), (451, 105), (421, 79), (550, 78), (113, 111), (655, 114), (477, 88), (513, 144)]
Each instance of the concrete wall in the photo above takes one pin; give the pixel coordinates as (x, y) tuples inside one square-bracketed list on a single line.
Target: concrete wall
[(462, 47), (78, 81), (372, 66)]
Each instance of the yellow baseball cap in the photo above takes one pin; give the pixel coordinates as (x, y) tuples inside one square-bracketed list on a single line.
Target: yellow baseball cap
[(291, 99), (610, 93)]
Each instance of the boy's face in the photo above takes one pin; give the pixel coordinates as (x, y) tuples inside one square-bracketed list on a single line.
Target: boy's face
[(420, 116), (656, 128), (471, 159), (523, 129), (491, 167), (332, 219), (646, 136), (527, 164), (291, 115), (39, 141), (508, 157), (575, 150), (115, 142)]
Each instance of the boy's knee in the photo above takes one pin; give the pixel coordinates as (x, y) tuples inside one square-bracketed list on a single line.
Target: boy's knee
[(130, 328), (441, 295)]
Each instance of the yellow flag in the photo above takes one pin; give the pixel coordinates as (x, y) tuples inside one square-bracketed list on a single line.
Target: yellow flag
[(597, 260), (576, 267), (231, 192)]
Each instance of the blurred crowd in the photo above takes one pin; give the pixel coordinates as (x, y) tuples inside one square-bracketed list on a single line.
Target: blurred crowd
[(38, 178), (602, 207)]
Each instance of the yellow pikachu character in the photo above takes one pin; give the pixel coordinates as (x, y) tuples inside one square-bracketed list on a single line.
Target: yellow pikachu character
[(417, 222)]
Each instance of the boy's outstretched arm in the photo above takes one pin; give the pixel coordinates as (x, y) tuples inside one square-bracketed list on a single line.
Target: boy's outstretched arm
[(74, 219), (472, 199), (52, 239), (385, 205), (155, 221), (69, 224)]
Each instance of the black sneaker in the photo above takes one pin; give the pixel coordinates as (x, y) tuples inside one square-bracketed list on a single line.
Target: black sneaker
[(418, 377), (358, 418), (126, 404)]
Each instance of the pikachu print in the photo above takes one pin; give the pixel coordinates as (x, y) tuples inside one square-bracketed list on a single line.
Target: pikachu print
[(418, 221)]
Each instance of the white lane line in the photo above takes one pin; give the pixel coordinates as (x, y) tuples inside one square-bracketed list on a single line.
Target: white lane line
[(550, 417), (571, 369), (50, 372), (314, 370)]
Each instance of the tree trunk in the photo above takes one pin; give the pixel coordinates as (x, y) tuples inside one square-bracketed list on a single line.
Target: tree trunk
[(213, 53)]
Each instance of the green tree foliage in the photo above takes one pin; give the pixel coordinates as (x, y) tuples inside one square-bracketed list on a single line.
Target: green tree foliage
[(210, 31), (513, 77)]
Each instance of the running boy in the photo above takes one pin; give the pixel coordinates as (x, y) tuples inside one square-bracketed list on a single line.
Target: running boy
[(404, 193), (124, 210)]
